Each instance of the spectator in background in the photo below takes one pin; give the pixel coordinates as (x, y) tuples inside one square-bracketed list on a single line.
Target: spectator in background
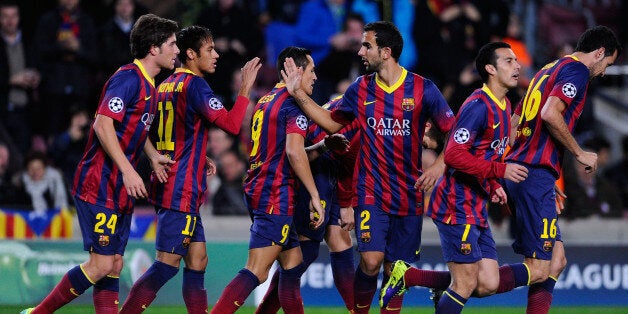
[(43, 184), (18, 79), (115, 37), (219, 142), (65, 48), (9, 195), (616, 173), (228, 199), (67, 148)]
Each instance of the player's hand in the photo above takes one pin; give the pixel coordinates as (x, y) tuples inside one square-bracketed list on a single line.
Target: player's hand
[(499, 196), (211, 166), (249, 73), (515, 172), (347, 218), (337, 142), (291, 75), (428, 141), (427, 180), (560, 199), (589, 160), (134, 185), (317, 213), (161, 165)]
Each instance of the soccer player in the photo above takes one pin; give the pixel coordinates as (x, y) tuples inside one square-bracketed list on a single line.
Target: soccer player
[(392, 106), (105, 183), (544, 121), (459, 202), (328, 168), (186, 108), (277, 160)]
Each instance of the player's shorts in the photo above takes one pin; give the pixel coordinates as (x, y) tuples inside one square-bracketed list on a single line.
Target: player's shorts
[(399, 237), (268, 230), (176, 230), (326, 190), (533, 202), (466, 243), (104, 230)]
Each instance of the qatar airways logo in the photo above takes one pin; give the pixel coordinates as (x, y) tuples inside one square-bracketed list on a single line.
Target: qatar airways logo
[(499, 146), (147, 119), (389, 126)]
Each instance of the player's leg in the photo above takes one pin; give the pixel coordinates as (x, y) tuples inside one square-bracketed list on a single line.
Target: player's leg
[(193, 286), (289, 287), (540, 294), (342, 261), (105, 294)]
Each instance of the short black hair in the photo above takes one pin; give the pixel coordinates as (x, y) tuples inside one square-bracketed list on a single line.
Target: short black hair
[(487, 55), (298, 54), (150, 30), (387, 35), (192, 37), (597, 37)]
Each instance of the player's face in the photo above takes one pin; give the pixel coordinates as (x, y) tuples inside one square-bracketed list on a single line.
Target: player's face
[(208, 57), (507, 68), (370, 52), (168, 52), (309, 77), (599, 67), (9, 19)]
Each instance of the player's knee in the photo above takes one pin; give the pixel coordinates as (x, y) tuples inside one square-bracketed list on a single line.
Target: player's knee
[(465, 286), (558, 265), (371, 266), (539, 273), (487, 286), (198, 262)]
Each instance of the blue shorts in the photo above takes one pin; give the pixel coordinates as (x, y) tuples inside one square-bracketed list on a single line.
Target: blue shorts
[(533, 202), (399, 237), (327, 194), (104, 230), (269, 230), (176, 230), (466, 243)]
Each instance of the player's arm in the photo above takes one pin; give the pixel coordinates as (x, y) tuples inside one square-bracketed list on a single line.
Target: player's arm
[(514, 124), (106, 133), (292, 77), (552, 115), (301, 167), (158, 162)]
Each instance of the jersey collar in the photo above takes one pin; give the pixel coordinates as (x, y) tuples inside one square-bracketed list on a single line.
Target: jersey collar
[(150, 79), (390, 89), (500, 104)]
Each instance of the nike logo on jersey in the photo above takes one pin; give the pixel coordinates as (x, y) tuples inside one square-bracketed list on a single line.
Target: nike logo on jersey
[(147, 97), (366, 103), (496, 125)]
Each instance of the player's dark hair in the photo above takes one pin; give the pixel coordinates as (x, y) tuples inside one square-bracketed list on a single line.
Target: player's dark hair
[(387, 35), (298, 54), (192, 37), (597, 37), (150, 30), (487, 55)]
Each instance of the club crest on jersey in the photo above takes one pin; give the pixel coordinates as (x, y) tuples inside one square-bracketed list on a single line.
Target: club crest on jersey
[(103, 240), (365, 237), (547, 246), (215, 104), (186, 242), (526, 131), (465, 248), (302, 122), (570, 90), (407, 104), (116, 104), (461, 136)]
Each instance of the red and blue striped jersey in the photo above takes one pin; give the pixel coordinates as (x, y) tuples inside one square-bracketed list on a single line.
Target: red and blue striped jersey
[(186, 107), (270, 183), (566, 78), (128, 98), (392, 122), (473, 157)]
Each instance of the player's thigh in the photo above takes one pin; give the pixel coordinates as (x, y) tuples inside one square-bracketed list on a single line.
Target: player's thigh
[(291, 258), (464, 277), (488, 277), (338, 240)]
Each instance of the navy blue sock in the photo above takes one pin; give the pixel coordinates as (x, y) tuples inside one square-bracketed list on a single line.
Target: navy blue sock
[(522, 274), (309, 249), (108, 283), (450, 303), (80, 281)]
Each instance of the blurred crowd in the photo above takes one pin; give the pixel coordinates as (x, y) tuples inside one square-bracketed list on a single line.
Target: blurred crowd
[(55, 57)]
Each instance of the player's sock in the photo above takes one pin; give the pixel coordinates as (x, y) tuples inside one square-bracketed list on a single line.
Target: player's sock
[(270, 302), (145, 289), (290, 289), (194, 293), (343, 270), (364, 287), (540, 296), (395, 303), (513, 276), (236, 292), (106, 295), (73, 284), (450, 303), (434, 279), (309, 249)]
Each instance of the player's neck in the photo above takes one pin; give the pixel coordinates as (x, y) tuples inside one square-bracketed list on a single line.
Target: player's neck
[(151, 67), (390, 73), (498, 90)]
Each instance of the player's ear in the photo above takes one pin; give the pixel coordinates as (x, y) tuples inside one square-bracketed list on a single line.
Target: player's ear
[(599, 53), (191, 54), (490, 69)]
